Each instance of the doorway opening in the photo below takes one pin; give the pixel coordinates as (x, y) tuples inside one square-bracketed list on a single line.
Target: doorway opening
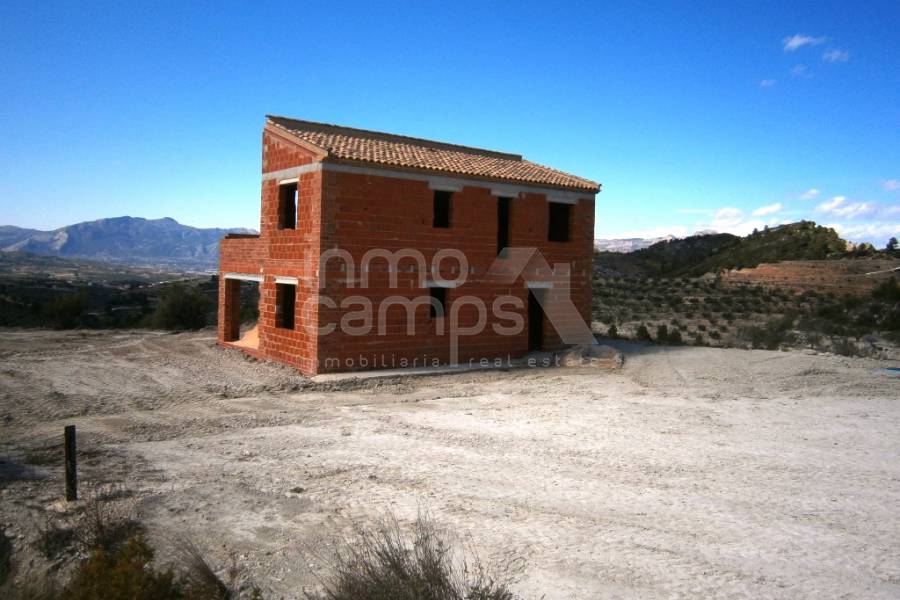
[(242, 311), (535, 320)]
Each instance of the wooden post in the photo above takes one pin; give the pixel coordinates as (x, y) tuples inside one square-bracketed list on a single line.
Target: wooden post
[(71, 465)]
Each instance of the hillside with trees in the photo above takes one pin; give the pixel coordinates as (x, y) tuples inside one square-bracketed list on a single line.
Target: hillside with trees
[(696, 255), (681, 292)]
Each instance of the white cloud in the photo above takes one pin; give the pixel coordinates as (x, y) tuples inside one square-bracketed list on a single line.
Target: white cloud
[(810, 194), (876, 233), (797, 41), (762, 211), (767, 83), (733, 220), (729, 215), (695, 211), (838, 206), (836, 55), (831, 204), (648, 233), (800, 71), (891, 185)]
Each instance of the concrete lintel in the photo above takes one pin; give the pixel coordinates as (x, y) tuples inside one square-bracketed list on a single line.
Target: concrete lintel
[(292, 173), (243, 277), (441, 284), (563, 197)]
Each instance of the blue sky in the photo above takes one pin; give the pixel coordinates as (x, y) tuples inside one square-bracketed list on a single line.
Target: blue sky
[(718, 115)]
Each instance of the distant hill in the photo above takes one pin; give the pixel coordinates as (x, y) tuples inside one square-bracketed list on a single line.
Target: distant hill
[(699, 254), (628, 244), (127, 240), (10, 234)]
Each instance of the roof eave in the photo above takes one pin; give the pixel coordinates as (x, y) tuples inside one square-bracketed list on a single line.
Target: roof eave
[(404, 169)]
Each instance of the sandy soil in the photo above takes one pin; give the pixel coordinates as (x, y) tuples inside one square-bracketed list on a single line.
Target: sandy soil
[(690, 472)]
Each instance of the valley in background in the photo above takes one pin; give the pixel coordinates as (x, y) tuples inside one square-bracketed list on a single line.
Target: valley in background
[(793, 286)]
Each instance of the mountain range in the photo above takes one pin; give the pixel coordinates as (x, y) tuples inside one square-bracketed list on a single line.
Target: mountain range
[(128, 240), (633, 244), (629, 244)]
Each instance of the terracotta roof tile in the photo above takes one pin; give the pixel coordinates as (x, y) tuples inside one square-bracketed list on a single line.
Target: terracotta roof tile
[(349, 144)]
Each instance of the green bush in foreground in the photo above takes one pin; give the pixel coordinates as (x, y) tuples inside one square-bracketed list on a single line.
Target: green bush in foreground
[(119, 561), (123, 574)]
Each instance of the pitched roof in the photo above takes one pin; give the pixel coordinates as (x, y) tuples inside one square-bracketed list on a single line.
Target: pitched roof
[(360, 145)]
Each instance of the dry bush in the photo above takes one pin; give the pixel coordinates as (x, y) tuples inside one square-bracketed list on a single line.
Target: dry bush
[(202, 583), (117, 560), (847, 347), (385, 564), (123, 573), (107, 520)]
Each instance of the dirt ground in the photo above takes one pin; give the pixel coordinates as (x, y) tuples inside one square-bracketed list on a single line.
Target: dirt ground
[(690, 472)]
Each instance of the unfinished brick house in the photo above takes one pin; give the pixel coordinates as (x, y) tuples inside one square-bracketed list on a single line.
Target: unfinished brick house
[(351, 217)]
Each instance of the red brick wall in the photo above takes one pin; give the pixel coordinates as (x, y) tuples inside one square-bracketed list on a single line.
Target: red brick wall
[(363, 212), (290, 253)]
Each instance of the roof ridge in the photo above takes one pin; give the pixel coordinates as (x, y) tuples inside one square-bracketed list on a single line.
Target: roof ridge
[(390, 137)]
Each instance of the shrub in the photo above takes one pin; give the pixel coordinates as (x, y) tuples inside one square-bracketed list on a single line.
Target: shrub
[(662, 334), (675, 337), (845, 347), (612, 332), (643, 334), (713, 334), (119, 562), (181, 308), (772, 335), (867, 318), (123, 574), (698, 339), (382, 564), (813, 339), (106, 521), (65, 311), (889, 291), (891, 321)]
